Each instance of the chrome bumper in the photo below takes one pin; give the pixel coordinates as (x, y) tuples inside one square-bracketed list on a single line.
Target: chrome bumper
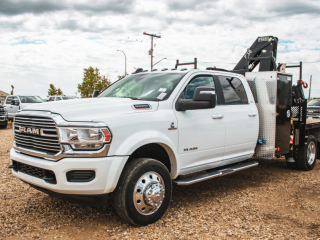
[(68, 152)]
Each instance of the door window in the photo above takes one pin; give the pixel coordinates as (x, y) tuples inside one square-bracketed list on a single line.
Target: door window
[(58, 98), (233, 90), (200, 81), (51, 99), (9, 99)]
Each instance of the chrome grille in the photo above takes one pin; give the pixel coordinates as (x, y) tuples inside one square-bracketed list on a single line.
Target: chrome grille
[(44, 140)]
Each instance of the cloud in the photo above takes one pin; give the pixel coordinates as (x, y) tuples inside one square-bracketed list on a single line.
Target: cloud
[(52, 41), (16, 7)]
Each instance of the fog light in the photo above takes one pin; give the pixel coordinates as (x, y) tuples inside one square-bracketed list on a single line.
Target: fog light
[(81, 175)]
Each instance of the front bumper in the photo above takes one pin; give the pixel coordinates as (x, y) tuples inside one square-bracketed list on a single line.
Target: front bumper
[(107, 173)]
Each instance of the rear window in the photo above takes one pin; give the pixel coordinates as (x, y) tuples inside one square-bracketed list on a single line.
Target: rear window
[(233, 90)]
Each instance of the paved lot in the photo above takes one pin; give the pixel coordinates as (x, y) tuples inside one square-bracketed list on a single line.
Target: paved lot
[(268, 202)]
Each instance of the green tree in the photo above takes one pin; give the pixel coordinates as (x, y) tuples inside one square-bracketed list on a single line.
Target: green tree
[(52, 90), (92, 80), (59, 92), (121, 76)]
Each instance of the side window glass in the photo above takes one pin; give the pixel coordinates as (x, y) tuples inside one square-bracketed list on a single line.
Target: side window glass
[(9, 99), (233, 90), (58, 99), (201, 81)]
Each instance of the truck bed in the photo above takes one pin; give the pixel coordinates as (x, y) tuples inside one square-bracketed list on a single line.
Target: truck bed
[(313, 123)]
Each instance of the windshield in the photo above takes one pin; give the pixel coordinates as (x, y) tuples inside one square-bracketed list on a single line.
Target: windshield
[(154, 86), (314, 103), (30, 99)]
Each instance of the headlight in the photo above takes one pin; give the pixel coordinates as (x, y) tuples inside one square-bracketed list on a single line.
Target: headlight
[(84, 138)]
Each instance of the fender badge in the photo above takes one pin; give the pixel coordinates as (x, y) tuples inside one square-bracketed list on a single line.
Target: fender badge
[(172, 127)]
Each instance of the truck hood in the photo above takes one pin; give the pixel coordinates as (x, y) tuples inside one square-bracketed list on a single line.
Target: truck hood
[(87, 109)]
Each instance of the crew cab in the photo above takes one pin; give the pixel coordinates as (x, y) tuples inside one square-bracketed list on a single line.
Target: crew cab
[(14, 103)]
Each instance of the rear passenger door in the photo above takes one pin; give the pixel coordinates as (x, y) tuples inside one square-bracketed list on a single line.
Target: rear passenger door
[(242, 120)]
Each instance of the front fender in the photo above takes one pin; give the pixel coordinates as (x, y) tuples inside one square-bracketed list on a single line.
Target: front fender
[(139, 139)]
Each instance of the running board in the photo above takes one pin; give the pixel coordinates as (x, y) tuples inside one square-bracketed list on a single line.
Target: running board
[(216, 173)]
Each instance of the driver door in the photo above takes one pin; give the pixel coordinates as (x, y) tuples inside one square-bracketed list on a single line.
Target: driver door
[(201, 131), (12, 109)]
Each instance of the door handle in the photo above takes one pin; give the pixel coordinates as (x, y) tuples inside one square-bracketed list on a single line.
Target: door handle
[(252, 114), (219, 116)]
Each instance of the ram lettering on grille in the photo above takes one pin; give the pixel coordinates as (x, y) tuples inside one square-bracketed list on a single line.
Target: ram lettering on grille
[(36, 134)]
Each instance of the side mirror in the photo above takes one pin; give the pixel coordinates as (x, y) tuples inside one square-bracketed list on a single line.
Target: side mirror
[(95, 93), (15, 102), (203, 98)]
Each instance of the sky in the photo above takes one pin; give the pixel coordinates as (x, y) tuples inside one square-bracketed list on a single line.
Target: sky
[(52, 41)]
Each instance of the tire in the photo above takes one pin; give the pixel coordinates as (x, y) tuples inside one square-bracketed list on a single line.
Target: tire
[(307, 155), (131, 199)]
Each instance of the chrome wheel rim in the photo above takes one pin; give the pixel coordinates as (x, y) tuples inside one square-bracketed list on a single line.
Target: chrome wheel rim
[(149, 193), (311, 153)]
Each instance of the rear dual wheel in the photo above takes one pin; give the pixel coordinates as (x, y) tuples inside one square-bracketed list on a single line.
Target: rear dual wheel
[(306, 156), (144, 191)]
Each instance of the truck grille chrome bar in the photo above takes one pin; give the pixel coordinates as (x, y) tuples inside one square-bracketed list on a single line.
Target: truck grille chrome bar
[(37, 133)]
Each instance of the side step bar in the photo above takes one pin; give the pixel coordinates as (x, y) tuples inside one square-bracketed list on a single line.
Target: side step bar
[(216, 173)]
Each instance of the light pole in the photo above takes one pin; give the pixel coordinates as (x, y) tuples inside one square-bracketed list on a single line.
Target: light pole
[(125, 62), (157, 62)]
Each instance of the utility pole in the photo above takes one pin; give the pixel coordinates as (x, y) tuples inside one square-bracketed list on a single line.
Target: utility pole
[(310, 86), (151, 50)]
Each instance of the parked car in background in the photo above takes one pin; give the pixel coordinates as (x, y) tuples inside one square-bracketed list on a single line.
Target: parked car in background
[(313, 110), (59, 98), (3, 117), (14, 103)]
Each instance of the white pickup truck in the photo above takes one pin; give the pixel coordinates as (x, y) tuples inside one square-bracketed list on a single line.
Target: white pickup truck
[(136, 137), (152, 129), (15, 103)]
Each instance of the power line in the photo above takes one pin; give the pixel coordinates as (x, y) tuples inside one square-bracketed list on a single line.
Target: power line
[(228, 62)]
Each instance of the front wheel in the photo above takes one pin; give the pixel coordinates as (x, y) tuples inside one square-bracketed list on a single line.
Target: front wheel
[(307, 155), (143, 193)]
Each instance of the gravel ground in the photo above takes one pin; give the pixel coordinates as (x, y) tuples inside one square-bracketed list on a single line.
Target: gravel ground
[(268, 202)]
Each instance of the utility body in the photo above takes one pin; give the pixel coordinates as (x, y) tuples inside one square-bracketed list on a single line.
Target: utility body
[(152, 129)]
